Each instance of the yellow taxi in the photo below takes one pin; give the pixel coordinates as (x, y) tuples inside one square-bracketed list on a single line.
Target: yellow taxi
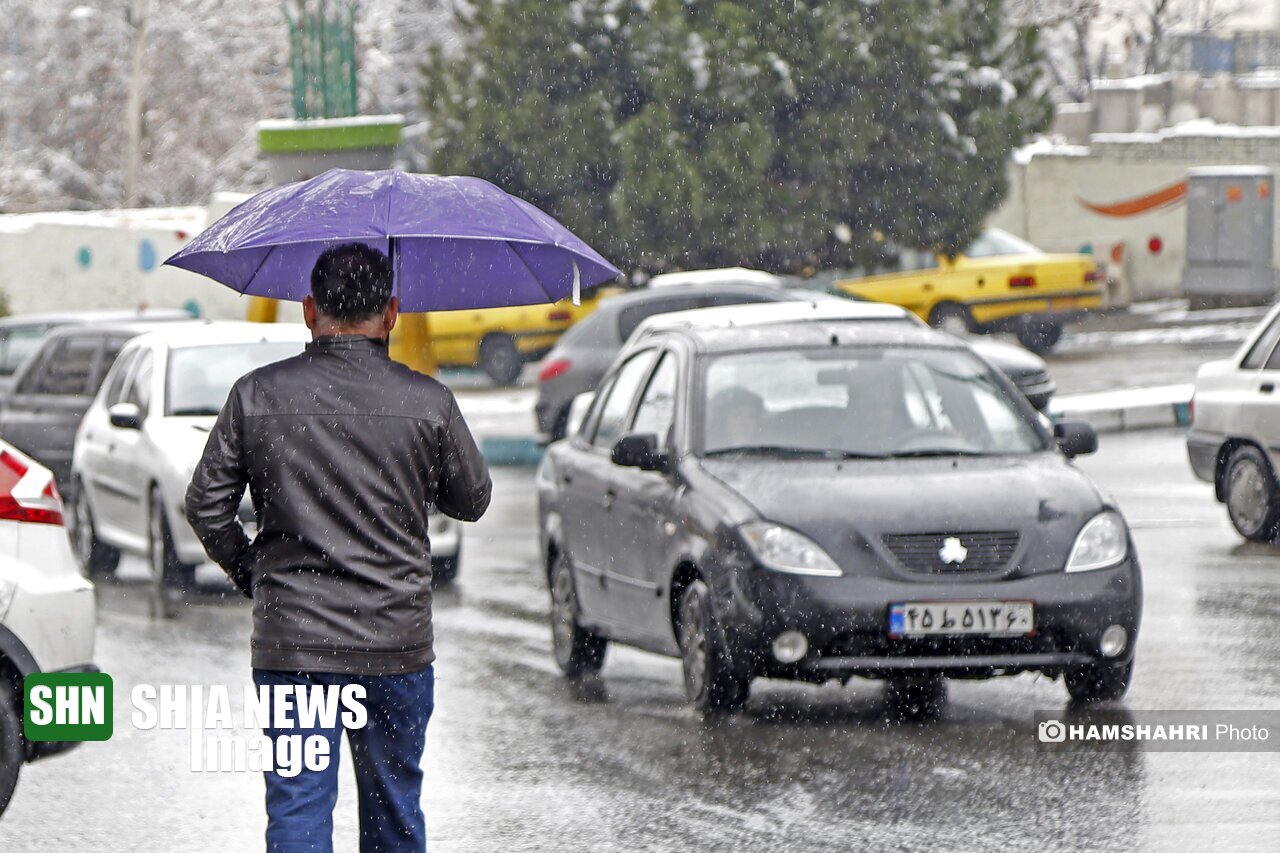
[(1000, 283), (500, 341)]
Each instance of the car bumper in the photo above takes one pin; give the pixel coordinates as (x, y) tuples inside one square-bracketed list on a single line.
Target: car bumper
[(446, 537), (845, 621), (1202, 452)]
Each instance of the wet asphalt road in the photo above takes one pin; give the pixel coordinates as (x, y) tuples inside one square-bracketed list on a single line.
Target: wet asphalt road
[(519, 759)]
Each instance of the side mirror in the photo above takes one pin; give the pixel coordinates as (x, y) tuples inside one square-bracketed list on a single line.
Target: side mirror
[(125, 416), (1075, 438), (578, 408), (639, 450)]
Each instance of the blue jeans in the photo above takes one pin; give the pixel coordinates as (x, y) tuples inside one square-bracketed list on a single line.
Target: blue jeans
[(387, 754)]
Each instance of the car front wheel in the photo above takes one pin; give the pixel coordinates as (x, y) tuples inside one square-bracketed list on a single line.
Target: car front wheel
[(170, 577), (1099, 682), (97, 559), (710, 683), (577, 650), (1251, 494)]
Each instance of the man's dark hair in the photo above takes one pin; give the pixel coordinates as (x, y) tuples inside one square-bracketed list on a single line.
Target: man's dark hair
[(352, 282)]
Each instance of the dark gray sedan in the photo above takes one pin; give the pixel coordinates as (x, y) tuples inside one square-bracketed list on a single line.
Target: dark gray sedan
[(581, 357), (813, 499)]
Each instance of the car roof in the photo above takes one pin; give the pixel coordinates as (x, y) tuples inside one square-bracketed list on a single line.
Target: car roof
[(648, 294), (795, 324), (717, 277), (131, 328), (87, 317), (212, 333)]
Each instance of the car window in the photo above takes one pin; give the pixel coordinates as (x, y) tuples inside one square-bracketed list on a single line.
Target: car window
[(731, 298), (911, 260), (633, 315), (657, 408), (110, 351), (1262, 348), (1273, 363), (118, 373), (16, 343), (995, 242), (66, 367), (139, 392), (617, 403)]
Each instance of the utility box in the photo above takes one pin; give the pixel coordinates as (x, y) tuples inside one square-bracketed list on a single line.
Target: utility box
[(1230, 236)]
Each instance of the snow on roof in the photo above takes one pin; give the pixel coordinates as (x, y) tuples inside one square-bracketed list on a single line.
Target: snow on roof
[(213, 332), (320, 123), (1142, 81), (1045, 146), (724, 275), (771, 313), (190, 219), (1201, 127)]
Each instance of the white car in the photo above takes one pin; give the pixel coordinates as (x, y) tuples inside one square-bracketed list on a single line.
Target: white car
[(1234, 440), (47, 610), (142, 437)]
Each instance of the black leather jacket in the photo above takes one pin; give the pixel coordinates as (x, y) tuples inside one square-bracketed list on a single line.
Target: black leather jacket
[(343, 450)]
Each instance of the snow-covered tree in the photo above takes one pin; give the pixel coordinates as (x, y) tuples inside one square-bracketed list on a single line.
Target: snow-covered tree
[(211, 69), (783, 135)]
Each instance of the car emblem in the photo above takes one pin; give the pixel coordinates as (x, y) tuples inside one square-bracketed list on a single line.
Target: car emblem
[(953, 551)]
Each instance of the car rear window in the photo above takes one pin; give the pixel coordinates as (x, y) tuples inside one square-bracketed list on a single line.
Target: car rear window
[(16, 344)]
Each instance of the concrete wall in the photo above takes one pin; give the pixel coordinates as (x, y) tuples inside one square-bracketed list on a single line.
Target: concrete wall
[(109, 259), (1044, 204)]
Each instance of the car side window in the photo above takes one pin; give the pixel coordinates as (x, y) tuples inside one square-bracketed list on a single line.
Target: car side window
[(115, 379), (632, 316), (1261, 351), (617, 404), (66, 367), (16, 343), (110, 351), (657, 410), (1273, 363), (139, 392)]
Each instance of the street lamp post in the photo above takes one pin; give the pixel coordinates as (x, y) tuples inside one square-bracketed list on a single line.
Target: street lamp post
[(133, 110)]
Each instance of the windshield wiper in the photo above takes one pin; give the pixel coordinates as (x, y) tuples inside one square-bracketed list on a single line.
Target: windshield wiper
[(796, 452), (194, 412)]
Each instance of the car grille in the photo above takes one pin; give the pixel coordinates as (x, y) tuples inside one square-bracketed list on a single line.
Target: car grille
[(922, 552)]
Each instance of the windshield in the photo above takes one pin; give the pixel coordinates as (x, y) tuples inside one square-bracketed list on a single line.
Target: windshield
[(200, 378), (882, 402), (993, 242)]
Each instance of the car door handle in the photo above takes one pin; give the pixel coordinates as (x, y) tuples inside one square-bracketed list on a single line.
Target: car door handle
[(1267, 387), (566, 479)]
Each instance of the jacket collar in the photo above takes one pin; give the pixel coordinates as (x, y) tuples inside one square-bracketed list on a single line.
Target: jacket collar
[(349, 343)]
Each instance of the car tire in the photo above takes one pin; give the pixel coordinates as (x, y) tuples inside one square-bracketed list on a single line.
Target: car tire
[(952, 318), (1039, 336), (97, 559), (577, 651), (916, 696), (444, 570), (11, 742), (710, 682), (170, 577), (1251, 494), (1101, 682), (500, 359)]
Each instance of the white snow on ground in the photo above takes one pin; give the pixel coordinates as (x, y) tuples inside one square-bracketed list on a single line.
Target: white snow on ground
[(1209, 333), (1162, 395)]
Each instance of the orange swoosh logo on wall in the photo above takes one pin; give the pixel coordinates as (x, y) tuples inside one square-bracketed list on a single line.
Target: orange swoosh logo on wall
[(1166, 197)]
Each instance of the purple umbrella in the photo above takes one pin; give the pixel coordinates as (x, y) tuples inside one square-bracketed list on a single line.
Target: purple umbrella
[(454, 242)]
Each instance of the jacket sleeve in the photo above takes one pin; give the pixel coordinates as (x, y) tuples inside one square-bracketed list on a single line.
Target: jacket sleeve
[(214, 495), (465, 487)]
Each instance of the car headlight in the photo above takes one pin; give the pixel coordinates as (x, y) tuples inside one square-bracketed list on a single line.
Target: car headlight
[(785, 550), (1102, 543)]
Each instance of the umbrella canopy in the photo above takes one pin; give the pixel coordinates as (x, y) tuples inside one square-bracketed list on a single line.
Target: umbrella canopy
[(455, 242)]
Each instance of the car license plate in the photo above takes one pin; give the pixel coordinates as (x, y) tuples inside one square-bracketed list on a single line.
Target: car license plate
[(930, 618)]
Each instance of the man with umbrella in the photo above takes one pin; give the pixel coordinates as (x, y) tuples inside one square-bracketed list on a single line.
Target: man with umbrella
[(344, 450)]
